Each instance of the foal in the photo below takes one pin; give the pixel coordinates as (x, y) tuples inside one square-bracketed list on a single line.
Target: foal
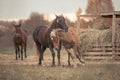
[(69, 40), (20, 41)]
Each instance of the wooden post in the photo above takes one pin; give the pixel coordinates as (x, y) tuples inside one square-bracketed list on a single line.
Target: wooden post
[(78, 28), (113, 33), (78, 24)]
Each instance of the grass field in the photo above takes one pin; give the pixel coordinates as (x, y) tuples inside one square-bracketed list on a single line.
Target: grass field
[(35, 72), (11, 69)]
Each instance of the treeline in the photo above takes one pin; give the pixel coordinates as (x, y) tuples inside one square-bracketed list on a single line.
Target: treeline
[(35, 19)]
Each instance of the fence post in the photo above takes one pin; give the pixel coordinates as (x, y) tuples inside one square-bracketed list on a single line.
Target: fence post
[(113, 33), (78, 24)]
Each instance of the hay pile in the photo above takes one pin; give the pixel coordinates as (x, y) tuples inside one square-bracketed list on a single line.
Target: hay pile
[(91, 37)]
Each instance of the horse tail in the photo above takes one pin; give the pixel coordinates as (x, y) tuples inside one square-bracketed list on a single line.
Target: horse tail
[(36, 44), (36, 49)]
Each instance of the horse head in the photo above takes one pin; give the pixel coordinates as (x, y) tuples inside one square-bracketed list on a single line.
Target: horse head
[(17, 28), (18, 37), (55, 39), (61, 23), (17, 25)]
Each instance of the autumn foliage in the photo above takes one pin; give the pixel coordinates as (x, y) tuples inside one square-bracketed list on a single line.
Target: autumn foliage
[(95, 7)]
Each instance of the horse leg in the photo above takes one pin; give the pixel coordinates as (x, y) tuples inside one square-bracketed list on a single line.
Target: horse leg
[(53, 55), (80, 55), (42, 52), (58, 55), (40, 59), (25, 50), (16, 50), (21, 52), (69, 59), (38, 46), (77, 54), (70, 55), (41, 49)]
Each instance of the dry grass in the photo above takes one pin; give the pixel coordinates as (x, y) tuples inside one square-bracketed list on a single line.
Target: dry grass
[(35, 72), (91, 37), (28, 69), (11, 69)]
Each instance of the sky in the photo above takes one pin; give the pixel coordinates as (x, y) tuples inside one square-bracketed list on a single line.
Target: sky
[(10, 9)]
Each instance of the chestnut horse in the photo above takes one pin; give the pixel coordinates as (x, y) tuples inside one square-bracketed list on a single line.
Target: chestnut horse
[(41, 36), (20, 41), (70, 40)]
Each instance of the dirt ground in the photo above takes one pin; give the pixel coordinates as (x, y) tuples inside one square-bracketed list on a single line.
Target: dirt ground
[(28, 69)]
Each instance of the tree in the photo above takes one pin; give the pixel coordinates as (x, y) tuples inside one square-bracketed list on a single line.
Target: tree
[(78, 12), (35, 20), (97, 6)]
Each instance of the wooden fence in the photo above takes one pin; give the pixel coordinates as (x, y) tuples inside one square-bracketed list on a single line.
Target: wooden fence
[(102, 52), (109, 51)]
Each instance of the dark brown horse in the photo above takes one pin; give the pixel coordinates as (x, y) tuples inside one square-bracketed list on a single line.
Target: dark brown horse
[(41, 36), (70, 40), (20, 41)]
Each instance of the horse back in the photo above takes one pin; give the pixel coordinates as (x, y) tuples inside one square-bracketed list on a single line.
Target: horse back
[(74, 35), (70, 36), (40, 35)]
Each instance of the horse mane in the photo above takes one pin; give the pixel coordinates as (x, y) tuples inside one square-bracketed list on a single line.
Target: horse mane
[(53, 32), (53, 25)]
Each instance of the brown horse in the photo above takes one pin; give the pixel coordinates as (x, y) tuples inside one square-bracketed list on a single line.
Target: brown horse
[(20, 41), (41, 36), (70, 40)]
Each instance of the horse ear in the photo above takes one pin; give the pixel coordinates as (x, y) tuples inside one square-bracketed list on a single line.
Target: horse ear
[(56, 16), (61, 14), (14, 25), (19, 25)]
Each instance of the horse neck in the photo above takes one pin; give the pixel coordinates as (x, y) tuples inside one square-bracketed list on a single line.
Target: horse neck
[(53, 26), (51, 29), (19, 31)]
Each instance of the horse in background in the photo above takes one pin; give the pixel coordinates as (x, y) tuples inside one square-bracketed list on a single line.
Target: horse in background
[(20, 41), (41, 37), (70, 40)]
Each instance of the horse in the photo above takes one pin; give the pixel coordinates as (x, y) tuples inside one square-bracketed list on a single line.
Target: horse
[(70, 40), (20, 41), (41, 37)]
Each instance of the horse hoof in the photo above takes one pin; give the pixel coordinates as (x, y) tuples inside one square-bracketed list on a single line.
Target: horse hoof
[(21, 58), (39, 64), (70, 66), (59, 64), (52, 65), (82, 61)]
